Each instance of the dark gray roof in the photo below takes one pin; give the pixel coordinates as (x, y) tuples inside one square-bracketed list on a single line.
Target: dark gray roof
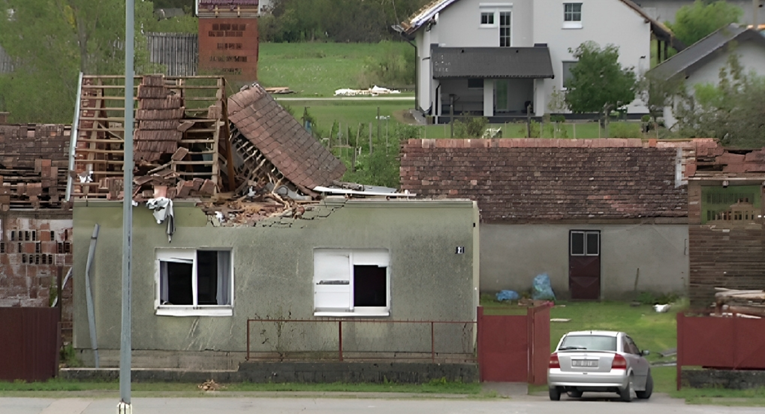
[(698, 54), (491, 62)]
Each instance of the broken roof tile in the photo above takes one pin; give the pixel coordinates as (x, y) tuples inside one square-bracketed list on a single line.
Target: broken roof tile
[(282, 140)]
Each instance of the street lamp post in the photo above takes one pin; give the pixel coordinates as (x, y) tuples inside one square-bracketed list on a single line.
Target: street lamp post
[(125, 406)]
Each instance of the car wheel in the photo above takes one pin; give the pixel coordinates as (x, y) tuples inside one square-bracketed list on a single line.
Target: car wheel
[(575, 394), (644, 395), (554, 394), (626, 393)]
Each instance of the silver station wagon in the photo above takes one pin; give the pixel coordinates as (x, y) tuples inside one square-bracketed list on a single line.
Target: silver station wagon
[(599, 361)]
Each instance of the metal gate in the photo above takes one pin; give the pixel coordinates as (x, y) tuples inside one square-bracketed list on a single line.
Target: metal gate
[(29, 343), (514, 348), (584, 264)]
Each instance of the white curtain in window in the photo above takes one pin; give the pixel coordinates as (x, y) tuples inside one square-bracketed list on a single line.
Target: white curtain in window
[(163, 288), (223, 296)]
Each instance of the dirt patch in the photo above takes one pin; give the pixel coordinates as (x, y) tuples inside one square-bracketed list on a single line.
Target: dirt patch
[(405, 117)]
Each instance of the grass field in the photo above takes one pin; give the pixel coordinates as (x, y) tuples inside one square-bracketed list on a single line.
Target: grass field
[(60, 386), (316, 69)]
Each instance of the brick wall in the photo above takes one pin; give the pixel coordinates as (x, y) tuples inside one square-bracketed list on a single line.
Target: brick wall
[(730, 255), (34, 248)]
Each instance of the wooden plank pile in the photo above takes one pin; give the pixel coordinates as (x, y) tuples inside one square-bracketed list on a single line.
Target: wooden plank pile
[(740, 302)]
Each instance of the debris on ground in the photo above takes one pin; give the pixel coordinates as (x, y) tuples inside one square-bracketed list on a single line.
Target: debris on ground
[(210, 385), (542, 289), (668, 352), (279, 90), (559, 320), (662, 308), (533, 303), (373, 91), (742, 303), (507, 295)]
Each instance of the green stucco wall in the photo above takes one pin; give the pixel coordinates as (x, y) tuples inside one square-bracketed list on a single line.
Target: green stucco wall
[(273, 267)]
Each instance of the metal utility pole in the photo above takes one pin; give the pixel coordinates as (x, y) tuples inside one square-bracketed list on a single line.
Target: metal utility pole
[(125, 406)]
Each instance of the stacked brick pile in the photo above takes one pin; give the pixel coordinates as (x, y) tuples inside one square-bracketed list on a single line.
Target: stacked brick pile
[(159, 116), (34, 164)]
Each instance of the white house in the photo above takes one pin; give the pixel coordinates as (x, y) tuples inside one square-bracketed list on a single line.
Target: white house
[(497, 57), (701, 62)]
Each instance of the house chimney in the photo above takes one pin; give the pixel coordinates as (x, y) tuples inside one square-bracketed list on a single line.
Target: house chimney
[(4, 118)]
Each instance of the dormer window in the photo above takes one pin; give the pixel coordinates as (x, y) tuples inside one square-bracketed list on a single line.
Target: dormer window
[(572, 15)]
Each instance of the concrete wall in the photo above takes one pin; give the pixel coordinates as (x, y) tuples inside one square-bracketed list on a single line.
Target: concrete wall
[(511, 255), (273, 267), (726, 379), (303, 372)]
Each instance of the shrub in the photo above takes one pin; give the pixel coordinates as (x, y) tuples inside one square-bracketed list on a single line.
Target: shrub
[(394, 67), (625, 130), (472, 127)]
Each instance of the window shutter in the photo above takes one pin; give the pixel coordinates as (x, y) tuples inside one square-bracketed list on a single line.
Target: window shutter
[(332, 280)]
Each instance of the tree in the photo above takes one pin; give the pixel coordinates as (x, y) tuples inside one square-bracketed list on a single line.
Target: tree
[(696, 21), (52, 40), (598, 82), (733, 110)]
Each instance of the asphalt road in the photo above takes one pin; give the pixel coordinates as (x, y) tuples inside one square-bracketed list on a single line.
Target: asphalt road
[(227, 405)]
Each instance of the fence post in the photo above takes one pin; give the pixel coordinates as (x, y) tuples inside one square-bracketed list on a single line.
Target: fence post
[(679, 363), (432, 343), (479, 319), (247, 358), (340, 332), (530, 343)]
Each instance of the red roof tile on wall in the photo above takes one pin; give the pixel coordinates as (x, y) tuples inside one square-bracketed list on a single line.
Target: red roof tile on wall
[(281, 138), (546, 180)]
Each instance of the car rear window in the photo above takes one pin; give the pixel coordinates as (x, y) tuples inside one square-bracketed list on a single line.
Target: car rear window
[(588, 343)]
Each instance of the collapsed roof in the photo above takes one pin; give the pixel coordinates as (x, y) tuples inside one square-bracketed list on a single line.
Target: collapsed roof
[(274, 143)]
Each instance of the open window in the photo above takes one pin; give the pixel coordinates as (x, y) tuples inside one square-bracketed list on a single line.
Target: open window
[(351, 282), (194, 283)]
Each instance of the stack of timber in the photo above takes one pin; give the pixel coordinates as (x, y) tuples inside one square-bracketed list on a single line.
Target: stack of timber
[(740, 302)]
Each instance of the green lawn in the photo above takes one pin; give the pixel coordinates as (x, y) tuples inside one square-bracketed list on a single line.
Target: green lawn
[(56, 385), (316, 69)]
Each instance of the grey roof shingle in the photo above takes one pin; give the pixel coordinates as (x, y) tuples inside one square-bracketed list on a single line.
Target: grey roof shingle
[(491, 62), (695, 56)]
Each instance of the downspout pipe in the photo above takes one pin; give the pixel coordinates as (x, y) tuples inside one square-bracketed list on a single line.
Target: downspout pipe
[(89, 294), (73, 139)]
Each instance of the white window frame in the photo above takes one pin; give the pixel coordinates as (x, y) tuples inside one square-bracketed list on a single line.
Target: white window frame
[(190, 256), (563, 73), (493, 15), (573, 24), (512, 25), (343, 284), (584, 234)]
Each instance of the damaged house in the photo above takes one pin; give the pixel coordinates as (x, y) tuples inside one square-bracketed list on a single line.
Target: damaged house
[(251, 231), (36, 222), (726, 189), (604, 218)]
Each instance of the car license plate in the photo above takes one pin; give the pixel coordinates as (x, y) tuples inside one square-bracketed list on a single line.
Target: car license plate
[(588, 363)]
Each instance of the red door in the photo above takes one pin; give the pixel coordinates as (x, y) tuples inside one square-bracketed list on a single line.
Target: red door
[(584, 264)]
